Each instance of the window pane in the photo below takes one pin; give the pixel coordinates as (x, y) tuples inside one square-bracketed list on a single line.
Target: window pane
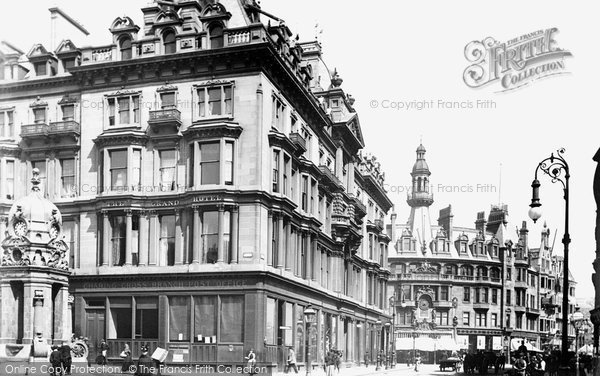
[(210, 231), (214, 101), (136, 179), (205, 317), (68, 177), (167, 239), (10, 179), (227, 100), (167, 169), (136, 109), (118, 239), (209, 163), (179, 318), (216, 37), (270, 332), (201, 102), (118, 167), (39, 115), (111, 111), (167, 99), (232, 319), (68, 112), (146, 318), (124, 110), (228, 168)]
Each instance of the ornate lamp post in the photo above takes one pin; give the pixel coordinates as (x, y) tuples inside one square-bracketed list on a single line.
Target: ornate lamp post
[(387, 342), (393, 332), (378, 327), (309, 315), (557, 168)]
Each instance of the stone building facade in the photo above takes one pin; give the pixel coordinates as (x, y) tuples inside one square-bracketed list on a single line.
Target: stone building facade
[(484, 287), (209, 172)]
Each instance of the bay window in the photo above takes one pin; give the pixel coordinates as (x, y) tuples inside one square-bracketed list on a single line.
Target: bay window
[(214, 161), (215, 100), (168, 161), (122, 168)]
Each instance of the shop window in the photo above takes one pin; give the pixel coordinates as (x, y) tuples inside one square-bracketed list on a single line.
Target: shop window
[(205, 318), (232, 319), (120, 318), (179, 318), (146, 318), (271, 328)]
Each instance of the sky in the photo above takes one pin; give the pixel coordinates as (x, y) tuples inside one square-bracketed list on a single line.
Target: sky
[(413, 51)]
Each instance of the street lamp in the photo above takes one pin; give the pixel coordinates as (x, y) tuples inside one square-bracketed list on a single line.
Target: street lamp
[(557, 168), (309, 315), (393, 332), (378, 344), (387, 350)]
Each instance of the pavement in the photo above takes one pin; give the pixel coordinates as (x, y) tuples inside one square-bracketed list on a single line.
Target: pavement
[(82, 369)]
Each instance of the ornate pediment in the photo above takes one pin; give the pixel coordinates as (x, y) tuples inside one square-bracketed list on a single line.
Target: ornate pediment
[(38, 50), (38, 103), (426, 267), (166, 87), (167, 17), (216, 10), (66, 47), (66, 99), (123, 24)]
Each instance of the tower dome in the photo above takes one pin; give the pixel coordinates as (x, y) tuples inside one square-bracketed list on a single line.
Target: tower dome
[(420, 166), (34, 232)]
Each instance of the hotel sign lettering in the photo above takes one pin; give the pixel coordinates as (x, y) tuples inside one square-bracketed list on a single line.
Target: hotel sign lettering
[(136, 283)]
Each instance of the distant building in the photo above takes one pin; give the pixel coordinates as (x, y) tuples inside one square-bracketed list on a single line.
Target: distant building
[(209, 172), (470, 283)]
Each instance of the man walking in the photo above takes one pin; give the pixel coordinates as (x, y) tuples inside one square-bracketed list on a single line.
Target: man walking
[(65, 358), (291, 361)]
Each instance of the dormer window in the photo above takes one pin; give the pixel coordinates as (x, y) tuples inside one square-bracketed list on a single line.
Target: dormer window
[(69, 63), (41, 68), (216, 36), (126, 50), (169, 44)]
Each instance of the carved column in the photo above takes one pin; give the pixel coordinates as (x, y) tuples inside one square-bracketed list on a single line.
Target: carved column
[(153, 238), (106, 259), (179, 214), (270, 238), (280, 243), (128, 235), (197, 235), (143, 252), (234, 235), (220, 248)]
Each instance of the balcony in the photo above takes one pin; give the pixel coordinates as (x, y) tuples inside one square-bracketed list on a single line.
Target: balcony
[(66, 131), (165, 119), (379, 224), (359, 208), (481, 306), (299, 142), (329, 180), (521, 284), (519, 308), (532, 311)]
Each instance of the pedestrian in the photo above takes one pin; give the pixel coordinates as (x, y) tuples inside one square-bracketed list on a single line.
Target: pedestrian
[(291, 361), (103, 351), (417, 362), (127, 361), (65, 358), (251, 361), (329, 363), (145, 365), (55, 361), (366, 359)]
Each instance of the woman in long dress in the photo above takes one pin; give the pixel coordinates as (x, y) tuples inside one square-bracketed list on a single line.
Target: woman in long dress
[(127, 361)]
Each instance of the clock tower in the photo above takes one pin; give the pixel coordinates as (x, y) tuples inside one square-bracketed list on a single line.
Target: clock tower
[(34, 271)]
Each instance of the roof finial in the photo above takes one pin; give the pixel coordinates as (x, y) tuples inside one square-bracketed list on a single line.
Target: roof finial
[(35, 180)]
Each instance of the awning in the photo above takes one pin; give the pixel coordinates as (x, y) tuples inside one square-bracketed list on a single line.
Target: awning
[(586, 349), (425, 344), (404, 343), (446, 343), (516, 342)]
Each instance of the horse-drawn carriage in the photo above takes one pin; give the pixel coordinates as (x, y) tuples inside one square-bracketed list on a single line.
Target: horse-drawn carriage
[(453, 363)]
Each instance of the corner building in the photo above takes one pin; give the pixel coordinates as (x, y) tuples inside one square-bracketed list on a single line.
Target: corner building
[(208, 169), (481, 288)]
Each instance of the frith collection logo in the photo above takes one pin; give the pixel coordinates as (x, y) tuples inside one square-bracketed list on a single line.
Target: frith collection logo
[(515, 63)]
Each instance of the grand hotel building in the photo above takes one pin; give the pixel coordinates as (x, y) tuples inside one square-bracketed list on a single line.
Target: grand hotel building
[(484, 288), (209, 173)]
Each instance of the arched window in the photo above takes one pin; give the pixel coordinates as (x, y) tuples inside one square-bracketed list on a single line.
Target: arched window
[(169, 42), (216, 36), (126, 48)]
